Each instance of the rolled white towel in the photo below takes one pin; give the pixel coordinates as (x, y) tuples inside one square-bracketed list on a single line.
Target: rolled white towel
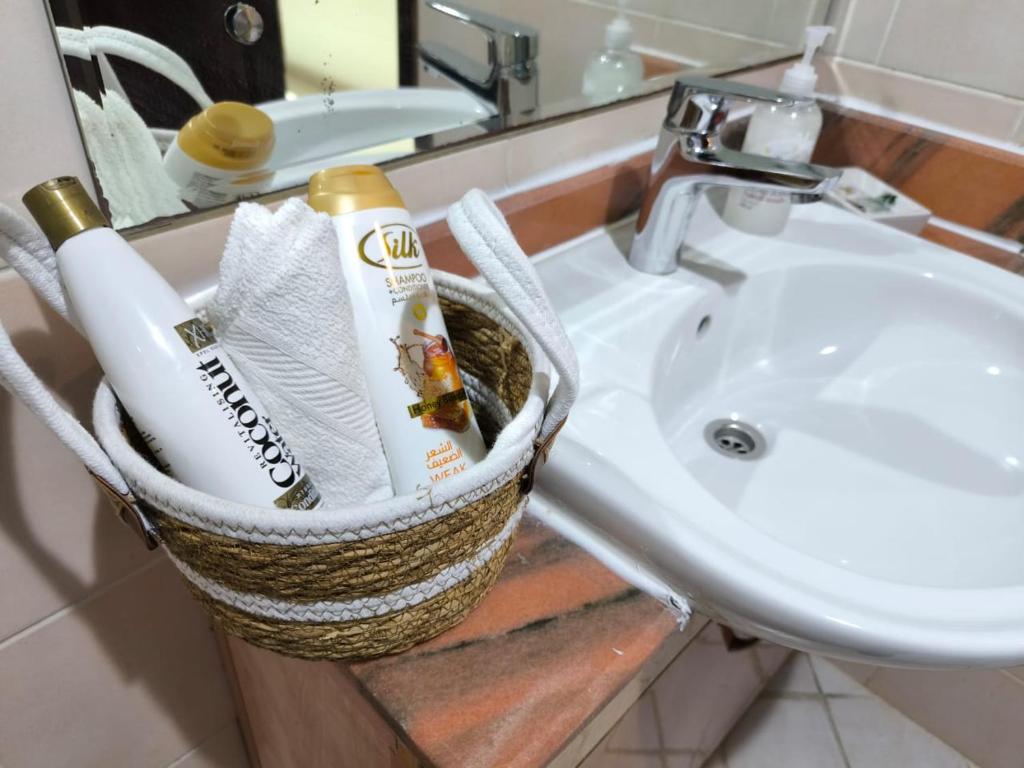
[(282, 313)]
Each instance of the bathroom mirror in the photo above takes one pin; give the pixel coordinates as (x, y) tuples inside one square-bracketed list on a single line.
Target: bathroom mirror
[(218, 101)]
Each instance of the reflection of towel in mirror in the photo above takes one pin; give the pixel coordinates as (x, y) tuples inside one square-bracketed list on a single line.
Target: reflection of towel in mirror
[(283, 314), (127, 161)]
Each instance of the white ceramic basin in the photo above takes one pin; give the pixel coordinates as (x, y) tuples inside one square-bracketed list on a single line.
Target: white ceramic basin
[(885, 519), (313, 132)]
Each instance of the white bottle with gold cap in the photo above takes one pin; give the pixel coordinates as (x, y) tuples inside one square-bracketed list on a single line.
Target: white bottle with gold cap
[(199, 417), (426, 422), (220, 155)]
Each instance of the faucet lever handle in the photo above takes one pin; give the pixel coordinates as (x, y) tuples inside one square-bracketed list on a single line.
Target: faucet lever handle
[(701, 104), (509, 43)]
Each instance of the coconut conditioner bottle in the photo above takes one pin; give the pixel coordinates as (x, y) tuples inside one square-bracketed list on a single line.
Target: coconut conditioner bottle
[(200, 419)]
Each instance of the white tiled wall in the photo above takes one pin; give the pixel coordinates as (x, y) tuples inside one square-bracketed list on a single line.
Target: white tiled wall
[(950, 61), (976, 711), (976, 44), (770, 21)]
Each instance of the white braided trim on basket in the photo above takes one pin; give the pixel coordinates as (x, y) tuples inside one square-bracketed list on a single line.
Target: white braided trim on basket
[(506, 460), (360, 608)]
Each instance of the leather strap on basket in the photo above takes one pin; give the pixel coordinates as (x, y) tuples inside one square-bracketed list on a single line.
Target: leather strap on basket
[(486, 239)]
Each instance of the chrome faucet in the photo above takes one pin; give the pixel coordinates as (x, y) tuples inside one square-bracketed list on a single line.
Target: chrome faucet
[(689, 158), (509, 79)]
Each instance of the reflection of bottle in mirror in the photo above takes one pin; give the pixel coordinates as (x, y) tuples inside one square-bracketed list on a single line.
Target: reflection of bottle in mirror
[(220, 155), (198, 416), (426, 423), (784, 133), (615, 70)]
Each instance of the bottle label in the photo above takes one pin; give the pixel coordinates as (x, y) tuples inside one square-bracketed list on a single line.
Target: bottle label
[(422, 408), (264, 444)]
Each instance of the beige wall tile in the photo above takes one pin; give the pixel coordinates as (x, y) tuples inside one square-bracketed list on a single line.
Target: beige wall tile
[(43, 141), (966, 109), (130, 678), (795, 676), (973, 44), (791, 17), (705, 690), (713, 48), (860, 673), (435, 184), (543, 151), (1018, 131), (834, 681), (59, 538), (638, 728), (978, 712), (224, 749), (738, 16), (861, 28)]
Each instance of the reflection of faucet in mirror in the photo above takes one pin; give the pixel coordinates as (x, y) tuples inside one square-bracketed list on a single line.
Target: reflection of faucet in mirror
[(509, 79), (689, 158)]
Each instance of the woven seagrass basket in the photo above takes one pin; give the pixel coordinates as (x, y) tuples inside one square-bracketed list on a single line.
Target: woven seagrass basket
[(363, 581)]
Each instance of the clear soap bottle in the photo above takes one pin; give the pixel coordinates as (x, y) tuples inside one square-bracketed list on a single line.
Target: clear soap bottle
[(614, 70), (785, 133)]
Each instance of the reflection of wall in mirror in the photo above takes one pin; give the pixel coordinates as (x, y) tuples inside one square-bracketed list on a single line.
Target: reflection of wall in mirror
[(673, 34), (335, 46)]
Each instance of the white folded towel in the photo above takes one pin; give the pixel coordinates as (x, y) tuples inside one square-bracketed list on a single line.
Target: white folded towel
[(283, 314)]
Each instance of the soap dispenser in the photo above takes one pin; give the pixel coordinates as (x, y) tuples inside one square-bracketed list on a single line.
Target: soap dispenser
[(615, 69), (786, 133)]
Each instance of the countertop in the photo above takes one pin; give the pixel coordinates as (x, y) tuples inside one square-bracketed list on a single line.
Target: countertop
[(545, 665)]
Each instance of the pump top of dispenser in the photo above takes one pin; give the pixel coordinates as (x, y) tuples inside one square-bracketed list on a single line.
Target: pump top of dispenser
[(800, 79), (618, 35)]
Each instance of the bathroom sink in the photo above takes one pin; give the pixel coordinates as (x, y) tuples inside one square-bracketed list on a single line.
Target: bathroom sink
[(817, 437), (331, 128)]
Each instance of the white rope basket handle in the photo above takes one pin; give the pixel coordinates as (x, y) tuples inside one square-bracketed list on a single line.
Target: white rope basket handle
[(486, 239), (24, 248), (103, 41)]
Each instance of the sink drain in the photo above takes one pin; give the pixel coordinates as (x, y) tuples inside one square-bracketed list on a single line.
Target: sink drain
[(735, 439)]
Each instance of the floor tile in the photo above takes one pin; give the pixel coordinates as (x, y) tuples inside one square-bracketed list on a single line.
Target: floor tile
[(783, 733), (875, 735), (835, 682), (794, 677), (638, 728)]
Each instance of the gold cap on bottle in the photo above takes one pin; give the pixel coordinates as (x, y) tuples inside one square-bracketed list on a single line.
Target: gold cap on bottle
[(349, 188), (229, 135), (62, 209)]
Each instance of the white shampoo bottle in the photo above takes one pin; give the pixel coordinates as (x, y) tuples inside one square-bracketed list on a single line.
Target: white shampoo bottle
[(424, 416), (785, 133), (199, 418)]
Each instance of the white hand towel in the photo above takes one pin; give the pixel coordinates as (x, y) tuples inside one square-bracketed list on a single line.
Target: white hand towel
[(282, 313), (127, 161)]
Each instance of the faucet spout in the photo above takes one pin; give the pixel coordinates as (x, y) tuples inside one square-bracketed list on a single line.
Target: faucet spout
[(509, 79), (689, 159)]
